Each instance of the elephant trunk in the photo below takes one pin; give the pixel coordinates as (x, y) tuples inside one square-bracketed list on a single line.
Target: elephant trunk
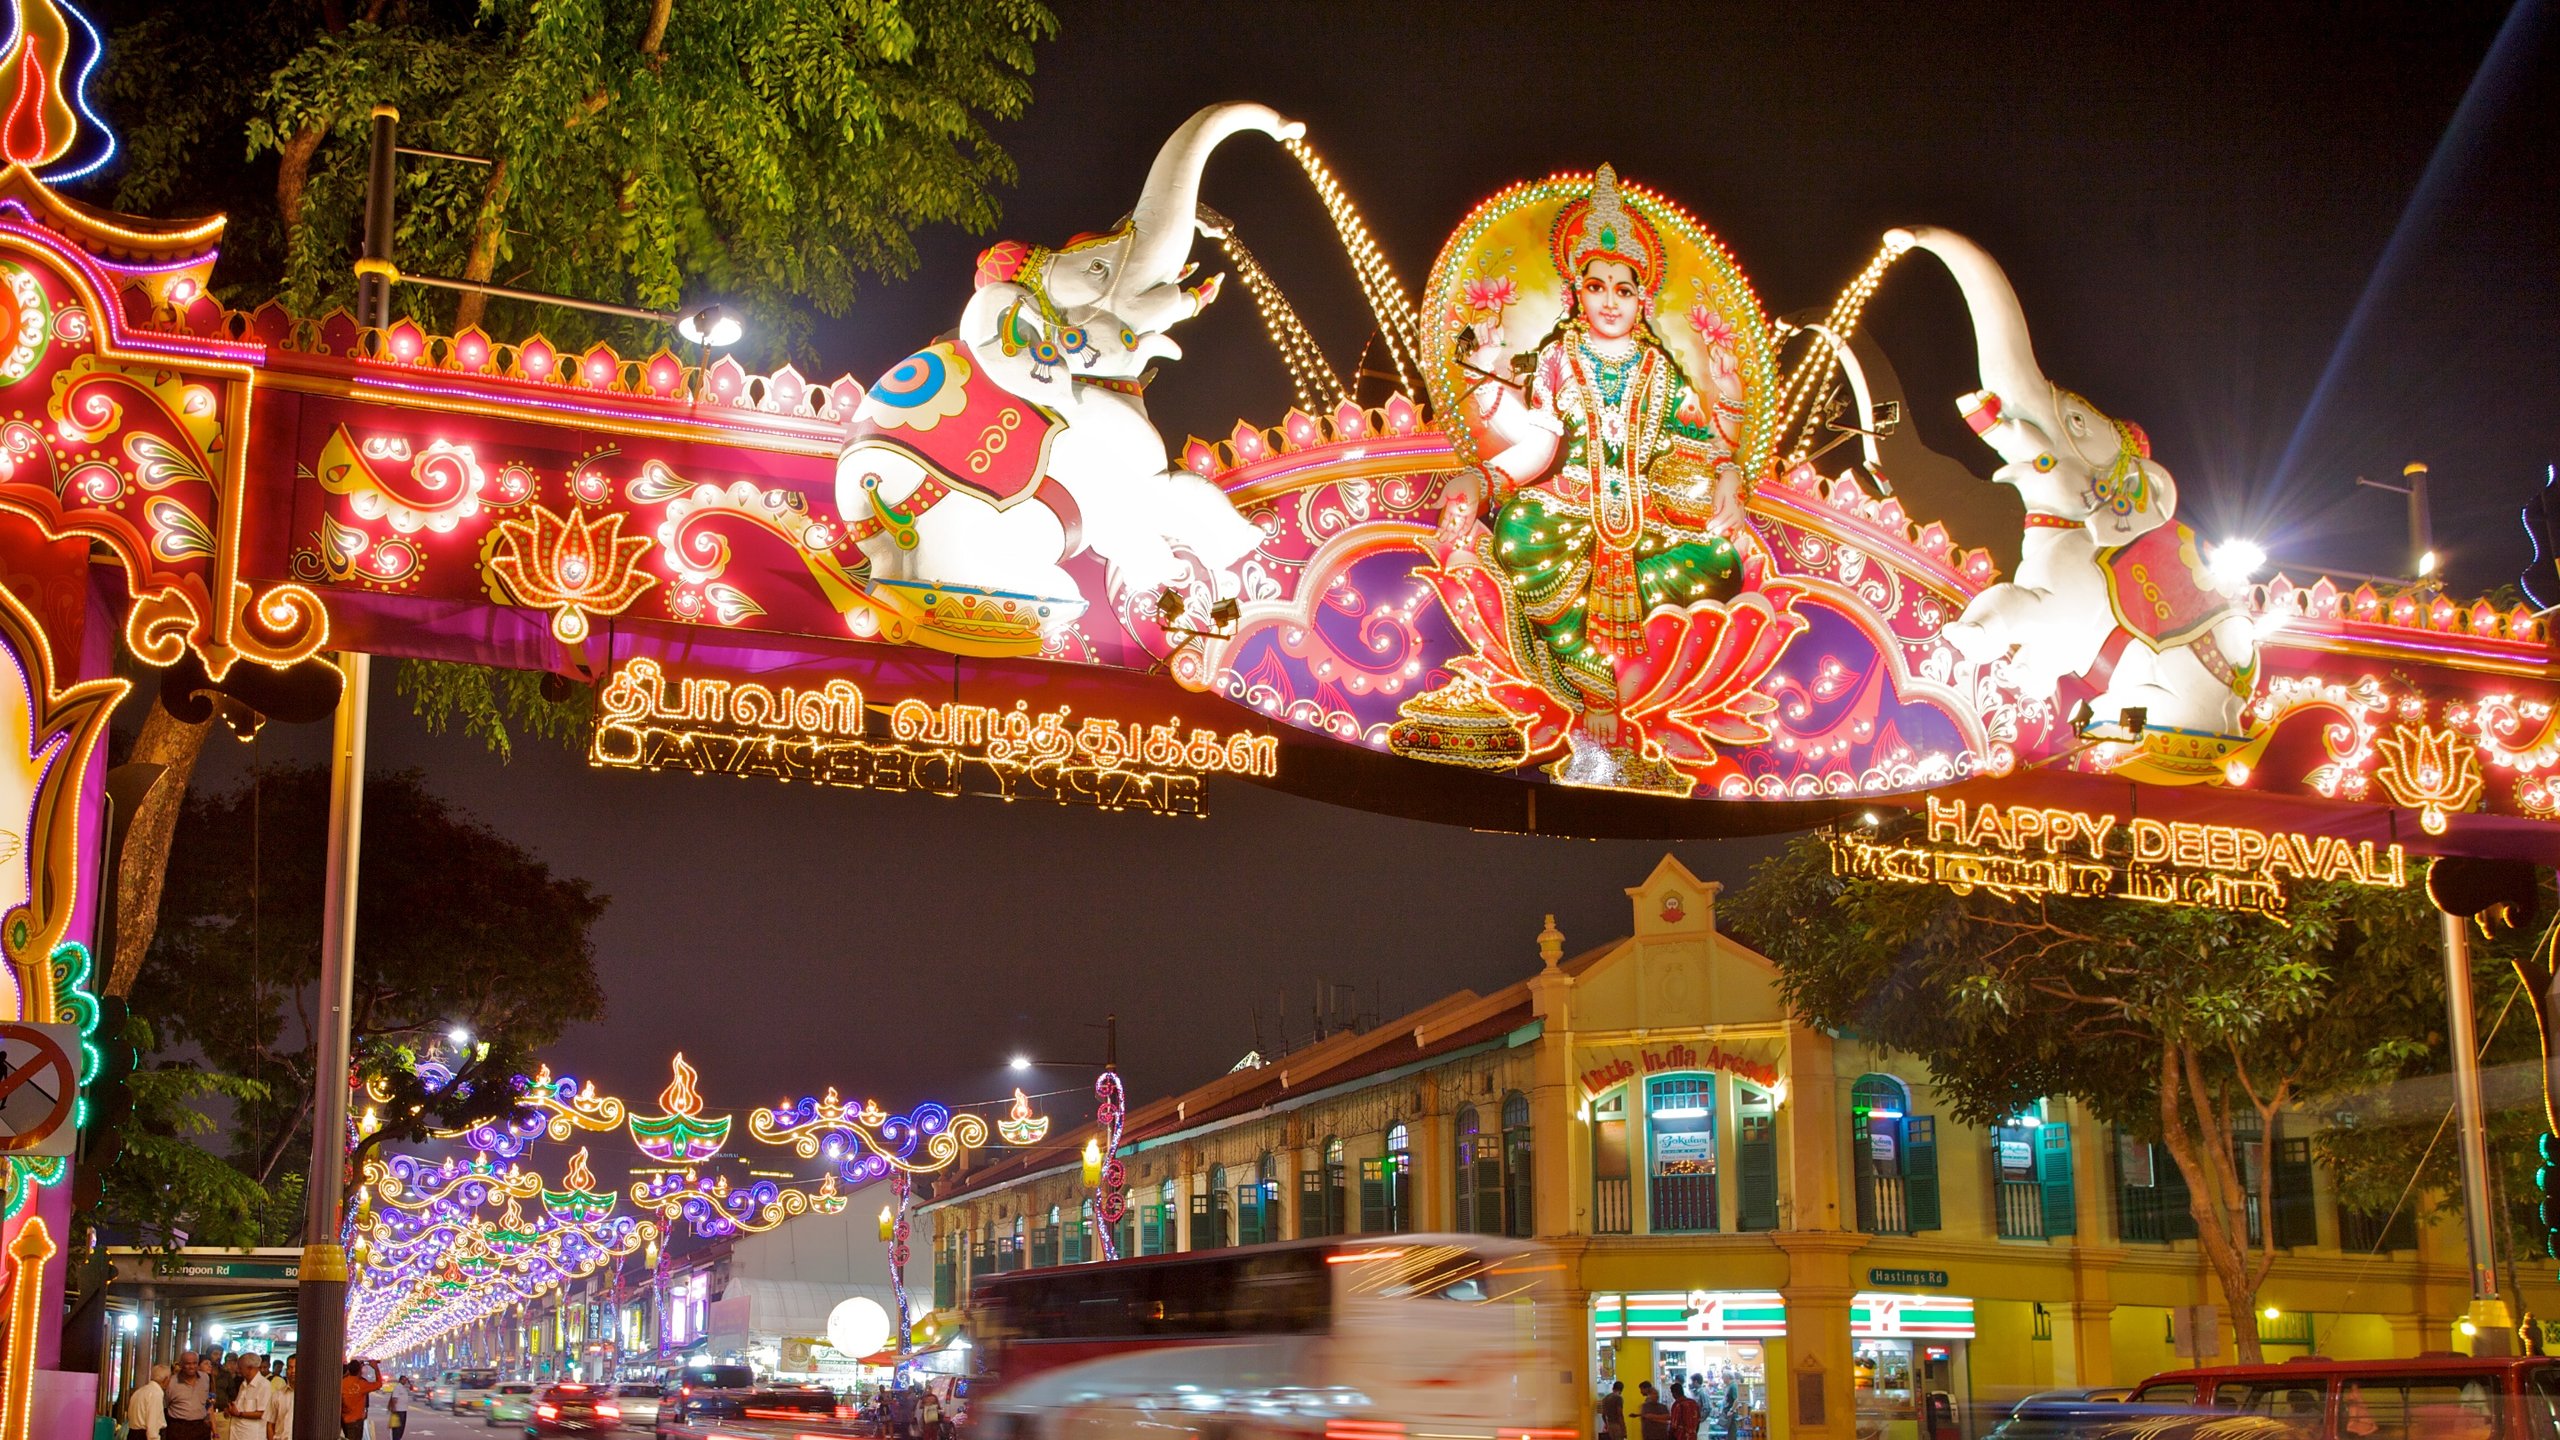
[(1169, 208), (2004, 356)]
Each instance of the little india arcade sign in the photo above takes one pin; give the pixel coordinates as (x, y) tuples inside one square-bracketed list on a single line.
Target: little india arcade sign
[(2020, 850)]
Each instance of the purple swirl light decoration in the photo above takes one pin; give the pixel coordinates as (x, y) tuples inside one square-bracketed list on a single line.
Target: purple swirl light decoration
[(1111, 1202)]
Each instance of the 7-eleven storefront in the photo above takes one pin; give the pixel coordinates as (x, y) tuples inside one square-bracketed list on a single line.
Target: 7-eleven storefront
[(1731, 1341)]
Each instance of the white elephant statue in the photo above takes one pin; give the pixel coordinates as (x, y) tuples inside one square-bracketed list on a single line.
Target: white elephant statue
[(2110, 588), (986, 459)]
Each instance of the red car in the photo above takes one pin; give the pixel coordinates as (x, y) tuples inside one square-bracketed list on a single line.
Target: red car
[(2437, 1396), (571, 1408)]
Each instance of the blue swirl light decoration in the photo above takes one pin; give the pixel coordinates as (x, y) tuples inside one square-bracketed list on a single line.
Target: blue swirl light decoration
[(865, 1142)]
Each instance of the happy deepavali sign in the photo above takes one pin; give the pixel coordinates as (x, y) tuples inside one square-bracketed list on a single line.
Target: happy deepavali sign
[(829, 733), (2016, 851)]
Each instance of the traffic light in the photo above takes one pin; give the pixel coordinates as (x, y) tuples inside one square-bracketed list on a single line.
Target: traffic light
[(2545, 1240)]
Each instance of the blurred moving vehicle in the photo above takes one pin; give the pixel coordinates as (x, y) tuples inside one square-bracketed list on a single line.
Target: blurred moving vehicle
[(637, 1395), (570, 1407), (1459, 1335), (2437, 1396), (730, 1392), (471, 1391), (440, 1394), (508, 1400)]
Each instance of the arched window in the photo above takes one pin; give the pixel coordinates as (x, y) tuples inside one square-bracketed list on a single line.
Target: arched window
[(1613, 1207), (1047, 1242), (1209, 1213), (1386, 1205), (1156, 1222), (1519, 1178), (1320, 1192), (1894, 1154), (1680, 1138), (1258, 1205)]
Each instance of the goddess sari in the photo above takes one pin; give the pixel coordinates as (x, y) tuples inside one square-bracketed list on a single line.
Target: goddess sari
[(1620, 527)]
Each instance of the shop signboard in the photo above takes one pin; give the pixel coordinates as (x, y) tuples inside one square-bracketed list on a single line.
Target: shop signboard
[(1918, 1317), (1762, 1314), (1607, 1067), (1681, 1151)]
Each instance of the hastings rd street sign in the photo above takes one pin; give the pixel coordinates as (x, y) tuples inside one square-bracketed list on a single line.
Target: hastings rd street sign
[(2015, 851)]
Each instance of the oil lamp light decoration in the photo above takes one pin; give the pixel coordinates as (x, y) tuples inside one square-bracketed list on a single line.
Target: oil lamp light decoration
[(1019, 1125), (683, 1135)]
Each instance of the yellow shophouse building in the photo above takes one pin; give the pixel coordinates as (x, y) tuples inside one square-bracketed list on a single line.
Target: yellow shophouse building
[(1785, 1214)]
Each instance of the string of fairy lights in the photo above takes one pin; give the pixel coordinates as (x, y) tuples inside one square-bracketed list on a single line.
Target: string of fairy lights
[(441, 1244), (1803, 385)]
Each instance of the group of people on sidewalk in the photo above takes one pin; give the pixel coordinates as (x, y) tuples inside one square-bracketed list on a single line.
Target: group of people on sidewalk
[(1678, 1420), (234, 1399)]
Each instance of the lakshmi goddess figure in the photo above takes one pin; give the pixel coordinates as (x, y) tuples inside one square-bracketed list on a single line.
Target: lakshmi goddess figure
[(1610, 474)]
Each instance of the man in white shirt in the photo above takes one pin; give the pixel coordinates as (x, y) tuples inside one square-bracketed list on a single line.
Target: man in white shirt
[(146, 1410), (280, 1415), (249, 1407)]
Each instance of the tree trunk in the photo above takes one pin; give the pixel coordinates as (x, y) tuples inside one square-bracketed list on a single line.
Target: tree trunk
[(285, 1136), (293, 176), (173, 744), (2221, 1230), (487, 235)]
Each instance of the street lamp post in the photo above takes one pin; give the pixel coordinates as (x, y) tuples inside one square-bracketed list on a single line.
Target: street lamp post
[(1104, 1175)]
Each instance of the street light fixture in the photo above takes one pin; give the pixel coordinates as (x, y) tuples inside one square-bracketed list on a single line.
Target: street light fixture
[(1102, 1170), (459, 1035)]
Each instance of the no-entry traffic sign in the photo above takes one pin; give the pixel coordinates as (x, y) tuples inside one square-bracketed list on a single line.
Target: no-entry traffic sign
[(39, 1086)]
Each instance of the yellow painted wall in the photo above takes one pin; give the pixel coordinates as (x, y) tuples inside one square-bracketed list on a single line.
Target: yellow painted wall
[(2141, 1336), (2009, 1363), (2353, 1337)]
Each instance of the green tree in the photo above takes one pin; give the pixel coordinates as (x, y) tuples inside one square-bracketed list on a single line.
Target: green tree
[(162, 1183), (2168, 1022), (457, 926), (763, 153)]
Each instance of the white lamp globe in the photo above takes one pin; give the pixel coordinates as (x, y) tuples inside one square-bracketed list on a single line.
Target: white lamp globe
[(858, 1327)]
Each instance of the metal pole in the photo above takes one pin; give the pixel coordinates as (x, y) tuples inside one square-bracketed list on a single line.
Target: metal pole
[(2494, 1329), (2422, 530), (373, 291), (321, 1307)]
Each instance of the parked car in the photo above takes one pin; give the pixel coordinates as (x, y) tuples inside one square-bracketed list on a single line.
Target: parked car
[(571, 1407), (730, 1392), (508, 1400), (2122, 1420), (2437, 1396)]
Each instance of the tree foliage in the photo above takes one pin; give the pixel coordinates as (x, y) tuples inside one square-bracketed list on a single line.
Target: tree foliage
[(2170, 1022), (456, 925), (763, 153), (163, 1185)]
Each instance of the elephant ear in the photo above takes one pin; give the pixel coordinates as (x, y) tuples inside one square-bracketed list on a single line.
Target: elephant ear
[(1003, 332), (2134, 499)]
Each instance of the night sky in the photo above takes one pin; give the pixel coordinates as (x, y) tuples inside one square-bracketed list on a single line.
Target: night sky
[(2276, 236)]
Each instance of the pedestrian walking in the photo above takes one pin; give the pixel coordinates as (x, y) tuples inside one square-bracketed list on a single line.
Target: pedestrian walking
[(1613, 1412), (146, 1411), (398, 1400), (187, 1399), (1685, 1411)]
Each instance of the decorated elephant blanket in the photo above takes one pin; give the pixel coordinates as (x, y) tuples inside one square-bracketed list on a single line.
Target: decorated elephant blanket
[(2159, 587), (972, 434)]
